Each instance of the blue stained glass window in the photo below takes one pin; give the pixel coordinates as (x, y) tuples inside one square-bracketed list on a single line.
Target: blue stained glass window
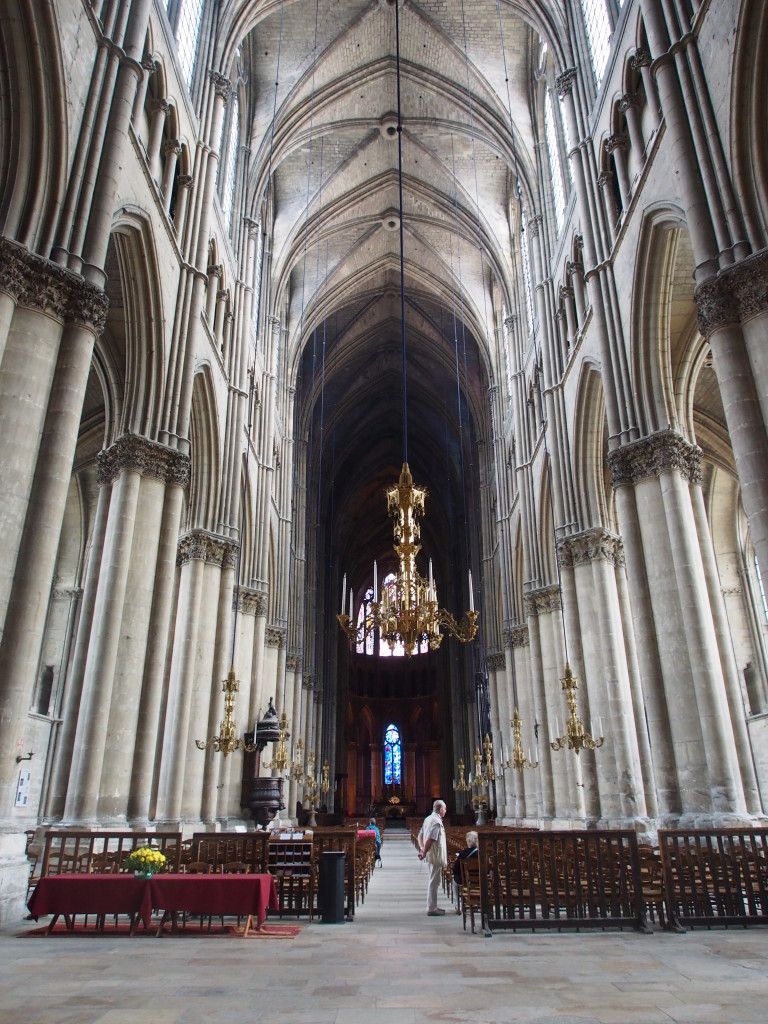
[(392, 756)]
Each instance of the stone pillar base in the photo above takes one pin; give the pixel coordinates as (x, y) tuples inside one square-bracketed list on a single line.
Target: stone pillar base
[(14, 876)]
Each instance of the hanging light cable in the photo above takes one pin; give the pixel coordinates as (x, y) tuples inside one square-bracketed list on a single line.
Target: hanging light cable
[(408, 612), (576, 737)]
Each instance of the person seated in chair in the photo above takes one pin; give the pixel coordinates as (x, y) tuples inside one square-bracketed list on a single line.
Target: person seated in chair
[(373, 827), (471, 851)]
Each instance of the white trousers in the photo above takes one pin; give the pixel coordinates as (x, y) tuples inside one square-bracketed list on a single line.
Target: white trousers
[(434, 874)]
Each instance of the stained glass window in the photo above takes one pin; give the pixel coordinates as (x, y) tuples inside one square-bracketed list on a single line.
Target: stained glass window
[(228, 196), (365, 647), (598, 34), (392, 756), (553, 148)]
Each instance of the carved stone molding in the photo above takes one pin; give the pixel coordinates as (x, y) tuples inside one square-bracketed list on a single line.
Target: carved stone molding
[(36, 283), (640, 59), (619, 140), (564, 82), (542, 601), (534, 225), (148, 458), (251, 602), (201, 546), (650, 456), (591, 546), (516, 636), (495, 661), (68, 593), (604, 179), (627, 101), (275, 636), (734, 296), (221, 84), (511, 321)]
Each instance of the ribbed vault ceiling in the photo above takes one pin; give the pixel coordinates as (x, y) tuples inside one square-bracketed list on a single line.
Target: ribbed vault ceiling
[(326, 144)]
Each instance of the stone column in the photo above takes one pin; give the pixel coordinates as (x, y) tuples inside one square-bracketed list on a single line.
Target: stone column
[(732, 315), (592, 558), (98, 680), (149, 725), (663, 468), (186, 182), (191, 564), (171, 152), (160, 110), (617, 146), (154, 464)]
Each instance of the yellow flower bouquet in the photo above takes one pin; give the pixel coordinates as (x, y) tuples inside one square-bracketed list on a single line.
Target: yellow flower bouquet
[(144, 861)]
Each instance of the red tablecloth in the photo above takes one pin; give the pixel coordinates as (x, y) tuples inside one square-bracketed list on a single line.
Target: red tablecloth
[(91, 894), (217, 895)]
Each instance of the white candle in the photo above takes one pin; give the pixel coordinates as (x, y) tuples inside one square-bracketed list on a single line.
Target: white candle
[(431, 583), (471, 595), (343, 593), (375, 582), (351, 605)]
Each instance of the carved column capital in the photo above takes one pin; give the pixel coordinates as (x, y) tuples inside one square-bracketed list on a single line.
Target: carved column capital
[(626, 101), (161, 106), (604, 179), (640, 59), (293, 662), (650, 456), (186, 181), (591, 546), (516, 636), (495, 661), (148, 458), (564, 82), (202, 546), (38, 284), (511, 321), (172, 146), (274, 636), (737, 294), (221, 85), (542, 601), (565, 292), (150, 65), (619, 140), (251, 602)]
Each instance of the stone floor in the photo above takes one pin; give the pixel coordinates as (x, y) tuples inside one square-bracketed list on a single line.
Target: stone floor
[(393, 965)]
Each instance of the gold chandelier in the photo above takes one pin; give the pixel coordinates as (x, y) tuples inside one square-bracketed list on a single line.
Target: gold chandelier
[(227, 741), (408, 611), (575, 738)]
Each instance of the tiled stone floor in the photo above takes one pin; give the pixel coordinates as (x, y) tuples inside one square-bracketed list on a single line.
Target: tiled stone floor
[(393, 965)]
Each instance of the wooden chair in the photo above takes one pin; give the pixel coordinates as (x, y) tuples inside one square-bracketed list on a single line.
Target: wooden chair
[(470, 891)]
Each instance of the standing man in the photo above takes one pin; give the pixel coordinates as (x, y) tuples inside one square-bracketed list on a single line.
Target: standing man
[(433, 850)]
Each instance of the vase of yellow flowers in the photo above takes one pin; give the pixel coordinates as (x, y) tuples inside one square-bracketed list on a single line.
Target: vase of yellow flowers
[(144, 861)]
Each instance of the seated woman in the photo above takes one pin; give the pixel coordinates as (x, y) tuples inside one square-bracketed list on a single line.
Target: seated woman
[(471, 851)]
